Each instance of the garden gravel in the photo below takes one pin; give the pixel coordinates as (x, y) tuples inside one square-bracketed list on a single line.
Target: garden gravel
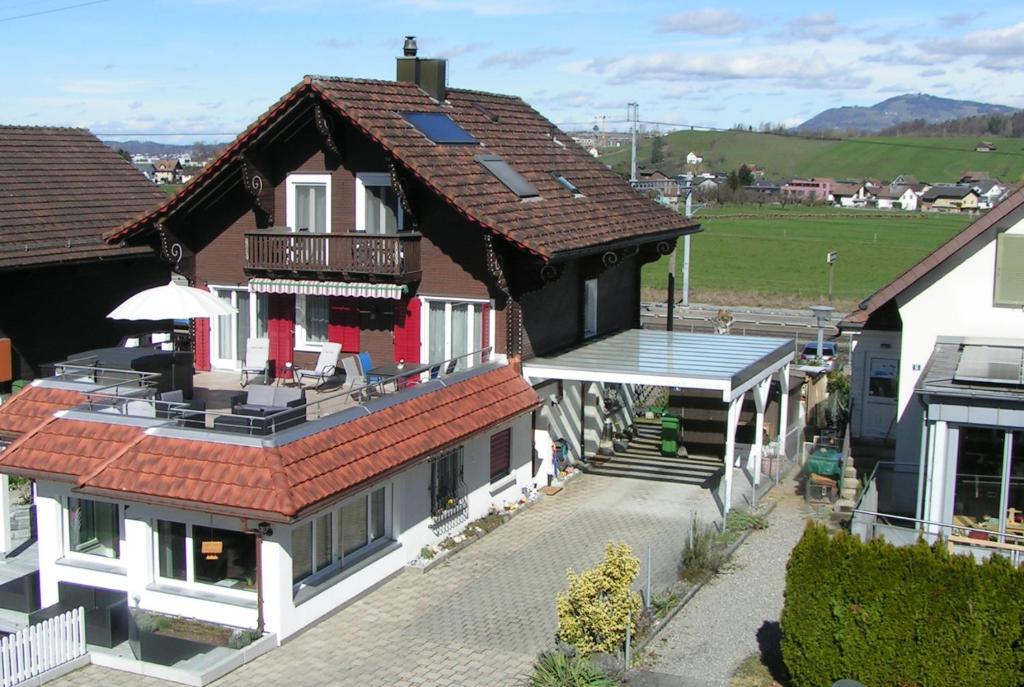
[(736, 614)]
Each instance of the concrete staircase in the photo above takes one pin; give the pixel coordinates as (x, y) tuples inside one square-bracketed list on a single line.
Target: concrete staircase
[(643, 460)]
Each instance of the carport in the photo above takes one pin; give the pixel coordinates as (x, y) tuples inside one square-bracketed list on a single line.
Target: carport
[(730, 364)]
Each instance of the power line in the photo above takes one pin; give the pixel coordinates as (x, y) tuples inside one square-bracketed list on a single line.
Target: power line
[(51, 11)]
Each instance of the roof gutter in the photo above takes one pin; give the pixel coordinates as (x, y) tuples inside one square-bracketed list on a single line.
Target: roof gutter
[(670, 235)]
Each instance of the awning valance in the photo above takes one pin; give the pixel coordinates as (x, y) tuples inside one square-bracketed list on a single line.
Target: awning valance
[(310, 287)]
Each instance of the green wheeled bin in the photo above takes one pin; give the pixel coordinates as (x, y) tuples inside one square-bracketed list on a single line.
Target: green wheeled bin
[(670, 435)]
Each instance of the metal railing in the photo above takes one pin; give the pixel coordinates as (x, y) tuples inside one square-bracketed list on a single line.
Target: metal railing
[(138, 402), (396, 256)]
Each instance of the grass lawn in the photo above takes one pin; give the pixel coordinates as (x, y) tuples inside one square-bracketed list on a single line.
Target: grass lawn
[(751, 255), (782, 157)]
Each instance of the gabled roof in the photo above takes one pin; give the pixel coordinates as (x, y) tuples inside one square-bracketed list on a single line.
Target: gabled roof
[(275, 482), (947, 250), (936, 192), (60, 191), (846, 189), (166, 165), (607, 210)]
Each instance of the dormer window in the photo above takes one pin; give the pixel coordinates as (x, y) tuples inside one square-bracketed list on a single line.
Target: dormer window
[(377, 208), (309, 202)]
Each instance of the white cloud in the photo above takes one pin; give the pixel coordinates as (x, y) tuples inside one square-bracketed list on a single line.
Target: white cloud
[(995, 43), (821, 27), (517, 59), (705, 21), (927, 73)]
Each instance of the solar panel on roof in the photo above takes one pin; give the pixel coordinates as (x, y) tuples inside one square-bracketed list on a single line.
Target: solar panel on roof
[(505, 174), (990, 365), (438, 127)]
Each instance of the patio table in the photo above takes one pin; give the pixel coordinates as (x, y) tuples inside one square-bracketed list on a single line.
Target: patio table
[(388, 372)]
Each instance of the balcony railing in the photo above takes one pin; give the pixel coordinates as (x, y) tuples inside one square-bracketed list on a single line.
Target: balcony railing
[(353, 255)]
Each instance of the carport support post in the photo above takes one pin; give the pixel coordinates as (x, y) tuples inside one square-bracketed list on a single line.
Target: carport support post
[(733, 419), (754, 464), (783, 410)]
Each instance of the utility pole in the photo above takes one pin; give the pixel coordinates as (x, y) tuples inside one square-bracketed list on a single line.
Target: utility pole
[(831, 259), (633, 115), (686, 249)]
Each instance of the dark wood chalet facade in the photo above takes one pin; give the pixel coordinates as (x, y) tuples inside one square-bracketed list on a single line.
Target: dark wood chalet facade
[(410, 222), (60, 191)]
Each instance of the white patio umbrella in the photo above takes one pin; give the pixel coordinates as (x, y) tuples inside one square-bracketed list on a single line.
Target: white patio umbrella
[(171, 302)]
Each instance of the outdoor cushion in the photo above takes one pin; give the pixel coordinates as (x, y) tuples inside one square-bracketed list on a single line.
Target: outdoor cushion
[(260, 395)]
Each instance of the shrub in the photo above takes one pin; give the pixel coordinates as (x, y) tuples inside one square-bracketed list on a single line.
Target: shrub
[(663, 603), (597, 606), (888, 615), (556, 669), (702, 550)]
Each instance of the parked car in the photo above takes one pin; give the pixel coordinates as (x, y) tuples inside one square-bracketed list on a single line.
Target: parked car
[(809, 356)]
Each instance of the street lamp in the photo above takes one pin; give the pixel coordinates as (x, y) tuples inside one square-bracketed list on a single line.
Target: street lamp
[(823, 315)]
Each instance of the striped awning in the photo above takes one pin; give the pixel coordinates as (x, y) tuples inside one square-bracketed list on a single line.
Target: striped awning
[(311, 287)]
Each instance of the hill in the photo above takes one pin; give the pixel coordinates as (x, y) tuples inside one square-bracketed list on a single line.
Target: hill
[(930, 158), (902, 108)]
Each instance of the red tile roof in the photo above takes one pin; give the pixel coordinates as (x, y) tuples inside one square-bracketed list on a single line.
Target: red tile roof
[(60, 191), (858, 318), (273, 482), (32, 406), (608, 211)]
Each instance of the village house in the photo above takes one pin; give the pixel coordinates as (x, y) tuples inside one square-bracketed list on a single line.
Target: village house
[(937, 370), (693, 158), (50, 251), (817, 190), (990, 192), (950, 199), (167, 171), (985, 147), (434, 239), (849, 194), (890, 197)]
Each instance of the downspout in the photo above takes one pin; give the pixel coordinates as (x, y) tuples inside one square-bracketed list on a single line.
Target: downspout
[(923, 465)]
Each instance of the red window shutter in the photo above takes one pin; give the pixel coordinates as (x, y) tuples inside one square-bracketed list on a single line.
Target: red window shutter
[(343, 326), (281, 328), (485, 325), (501, 454), (407, 331), (201, 345)]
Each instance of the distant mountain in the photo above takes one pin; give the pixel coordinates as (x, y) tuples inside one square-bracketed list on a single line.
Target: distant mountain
[(902, 108), (150, 147)]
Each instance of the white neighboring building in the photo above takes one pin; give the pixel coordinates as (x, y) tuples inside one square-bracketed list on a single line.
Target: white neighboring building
[(896, 198), (693, 158), (911, 384)]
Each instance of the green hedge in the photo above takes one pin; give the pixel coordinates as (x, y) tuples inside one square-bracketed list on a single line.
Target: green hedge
[(903, 616)]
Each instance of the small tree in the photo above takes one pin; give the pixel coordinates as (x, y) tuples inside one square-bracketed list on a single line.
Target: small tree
[(657, 150), (745, 176), (598, 605)]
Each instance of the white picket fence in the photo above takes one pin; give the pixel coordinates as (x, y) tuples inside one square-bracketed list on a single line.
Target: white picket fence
[(42, 647)]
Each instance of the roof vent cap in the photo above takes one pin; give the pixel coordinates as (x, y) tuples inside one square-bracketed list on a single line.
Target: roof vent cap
[(409, 48)]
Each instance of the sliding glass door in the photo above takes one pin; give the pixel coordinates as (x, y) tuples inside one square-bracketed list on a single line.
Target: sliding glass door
[(230, 332), (455, 329)]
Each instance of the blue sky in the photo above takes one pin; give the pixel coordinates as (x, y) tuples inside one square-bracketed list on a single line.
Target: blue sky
[(211, 66)]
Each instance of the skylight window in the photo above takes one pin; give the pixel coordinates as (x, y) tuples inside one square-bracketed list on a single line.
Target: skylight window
[(438, 127), (505, 174), (569, 186)]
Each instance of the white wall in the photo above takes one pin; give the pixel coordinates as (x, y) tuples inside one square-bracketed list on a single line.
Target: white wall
[(411, 524), (960, 303)]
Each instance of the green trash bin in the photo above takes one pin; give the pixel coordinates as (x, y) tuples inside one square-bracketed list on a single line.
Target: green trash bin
[(669, 435)]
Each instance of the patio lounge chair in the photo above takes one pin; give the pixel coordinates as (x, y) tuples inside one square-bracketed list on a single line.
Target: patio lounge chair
[(354, 378), (326, 365), (257, 360)]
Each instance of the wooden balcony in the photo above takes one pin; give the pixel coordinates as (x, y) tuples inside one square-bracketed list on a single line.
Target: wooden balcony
[(352, 256)]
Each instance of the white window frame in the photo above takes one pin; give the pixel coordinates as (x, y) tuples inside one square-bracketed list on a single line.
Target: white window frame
[(70, 553), (301, 178), (301, 344), (216, 361), (364, 179), (449, 301), (338, 563), (189, 583), (590, 291)]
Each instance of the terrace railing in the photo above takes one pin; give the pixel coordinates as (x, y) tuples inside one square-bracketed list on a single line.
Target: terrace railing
[(394, 257), (136, 401)]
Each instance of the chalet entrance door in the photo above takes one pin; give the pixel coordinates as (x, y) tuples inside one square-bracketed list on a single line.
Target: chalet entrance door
[(228, 333)]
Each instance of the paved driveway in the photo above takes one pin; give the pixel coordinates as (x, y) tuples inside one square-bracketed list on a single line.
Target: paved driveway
[(482, 617)]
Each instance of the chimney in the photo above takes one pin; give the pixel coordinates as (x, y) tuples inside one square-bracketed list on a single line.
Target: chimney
[(428, 74)]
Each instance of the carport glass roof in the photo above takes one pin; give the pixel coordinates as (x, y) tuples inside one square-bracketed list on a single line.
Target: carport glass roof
[(681, 359)]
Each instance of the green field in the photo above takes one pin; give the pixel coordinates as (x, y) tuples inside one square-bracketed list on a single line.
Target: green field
[(782, 157), (748, 255)]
